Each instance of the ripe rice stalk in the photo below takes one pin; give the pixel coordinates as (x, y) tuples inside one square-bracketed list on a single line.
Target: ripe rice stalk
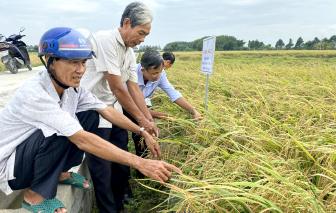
[(267, 141)]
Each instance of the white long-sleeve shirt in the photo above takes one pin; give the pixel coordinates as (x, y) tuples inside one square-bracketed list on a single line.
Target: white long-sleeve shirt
[(36, 105)]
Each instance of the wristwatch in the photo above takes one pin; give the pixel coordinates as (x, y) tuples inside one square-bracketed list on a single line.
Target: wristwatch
[(141, 130), (191, 110)]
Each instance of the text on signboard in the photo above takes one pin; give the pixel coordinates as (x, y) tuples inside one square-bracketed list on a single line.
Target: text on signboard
[(207, 51)]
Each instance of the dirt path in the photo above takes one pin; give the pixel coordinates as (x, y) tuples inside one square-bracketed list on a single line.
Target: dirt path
[(9, 83)]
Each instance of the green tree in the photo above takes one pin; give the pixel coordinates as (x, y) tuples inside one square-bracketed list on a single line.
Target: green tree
[(279, 44), (316, 41), (144, 48), (332, 38), (289, 45), (299, 44), (176, 46), (256, 45), (197, 45), (225, 42), (309, 45), (267, 47), (332, 41), (188, 49)]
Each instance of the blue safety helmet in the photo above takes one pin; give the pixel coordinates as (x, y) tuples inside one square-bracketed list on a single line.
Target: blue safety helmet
[(67, 43)]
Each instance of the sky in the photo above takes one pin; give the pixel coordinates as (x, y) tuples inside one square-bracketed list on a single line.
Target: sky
[(178, 20)]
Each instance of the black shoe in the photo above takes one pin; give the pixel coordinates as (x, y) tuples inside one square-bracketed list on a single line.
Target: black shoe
[(128, 196)]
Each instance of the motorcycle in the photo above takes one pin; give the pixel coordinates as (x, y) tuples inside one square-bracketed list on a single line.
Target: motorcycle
[(14, 53)]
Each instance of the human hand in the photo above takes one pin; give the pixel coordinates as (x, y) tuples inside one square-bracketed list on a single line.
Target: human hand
[(158, 170), (153, 146), (150, 127), (197, 115)]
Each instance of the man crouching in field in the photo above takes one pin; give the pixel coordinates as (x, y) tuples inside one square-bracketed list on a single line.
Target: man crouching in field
[(46, 127), (150, 76)]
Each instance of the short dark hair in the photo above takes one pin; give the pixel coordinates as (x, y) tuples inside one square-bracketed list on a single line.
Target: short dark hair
[(139, 14), (169, 56), (151, 58)]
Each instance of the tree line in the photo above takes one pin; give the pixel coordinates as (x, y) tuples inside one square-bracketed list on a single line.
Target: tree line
[(32, 48), (227, 43), (315, 44), (144, 48)]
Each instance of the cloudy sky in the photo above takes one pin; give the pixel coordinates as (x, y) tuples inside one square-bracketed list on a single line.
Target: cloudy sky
[(178, 20)]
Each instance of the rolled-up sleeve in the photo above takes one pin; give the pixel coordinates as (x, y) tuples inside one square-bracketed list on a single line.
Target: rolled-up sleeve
[(168, 88)]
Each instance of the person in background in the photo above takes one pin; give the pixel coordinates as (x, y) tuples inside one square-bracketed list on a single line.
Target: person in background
[(150, 76), (169, 59), (104, 78)]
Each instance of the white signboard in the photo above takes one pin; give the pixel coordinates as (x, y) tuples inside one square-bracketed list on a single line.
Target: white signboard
[(208, 55)]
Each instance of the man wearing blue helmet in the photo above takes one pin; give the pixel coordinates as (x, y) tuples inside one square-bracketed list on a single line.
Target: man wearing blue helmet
[(46, 127)]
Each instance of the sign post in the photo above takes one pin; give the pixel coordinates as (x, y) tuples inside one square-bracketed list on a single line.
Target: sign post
[(208, 57)]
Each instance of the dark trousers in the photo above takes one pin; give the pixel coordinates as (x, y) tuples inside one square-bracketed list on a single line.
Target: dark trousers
[(109, 178), (39, 161), (140, 149)]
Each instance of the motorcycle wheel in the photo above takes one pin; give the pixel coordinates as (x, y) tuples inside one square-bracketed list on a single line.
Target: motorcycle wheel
[(29, 67), (11, 66)]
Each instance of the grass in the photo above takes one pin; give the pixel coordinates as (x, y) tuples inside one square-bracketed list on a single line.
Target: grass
[(35, 61), (267, 141)]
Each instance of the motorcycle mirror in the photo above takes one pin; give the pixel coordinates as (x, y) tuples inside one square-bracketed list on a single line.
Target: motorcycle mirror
[(2, 38), (22, 29)]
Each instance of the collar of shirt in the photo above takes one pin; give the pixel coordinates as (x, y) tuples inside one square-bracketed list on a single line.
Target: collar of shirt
[(51, 90), (119, 38)]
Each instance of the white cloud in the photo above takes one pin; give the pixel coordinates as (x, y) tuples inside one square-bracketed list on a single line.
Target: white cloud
[(152, 4), (331, 28), (245, 2), (76, 5), (179, 20)]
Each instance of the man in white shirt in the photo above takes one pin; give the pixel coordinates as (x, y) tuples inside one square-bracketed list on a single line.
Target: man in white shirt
[(47, 125), (104, 78)]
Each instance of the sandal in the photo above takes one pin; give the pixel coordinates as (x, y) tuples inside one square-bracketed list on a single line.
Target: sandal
[(78, 179), (48, 206)]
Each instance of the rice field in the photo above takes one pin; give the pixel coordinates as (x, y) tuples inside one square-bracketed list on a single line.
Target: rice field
[(267, 142)]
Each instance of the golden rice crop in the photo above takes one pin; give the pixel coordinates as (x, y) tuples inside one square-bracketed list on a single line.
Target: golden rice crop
[(267, 141)]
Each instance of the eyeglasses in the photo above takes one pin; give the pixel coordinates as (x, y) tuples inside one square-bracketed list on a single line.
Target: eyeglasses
[(155, 75)]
